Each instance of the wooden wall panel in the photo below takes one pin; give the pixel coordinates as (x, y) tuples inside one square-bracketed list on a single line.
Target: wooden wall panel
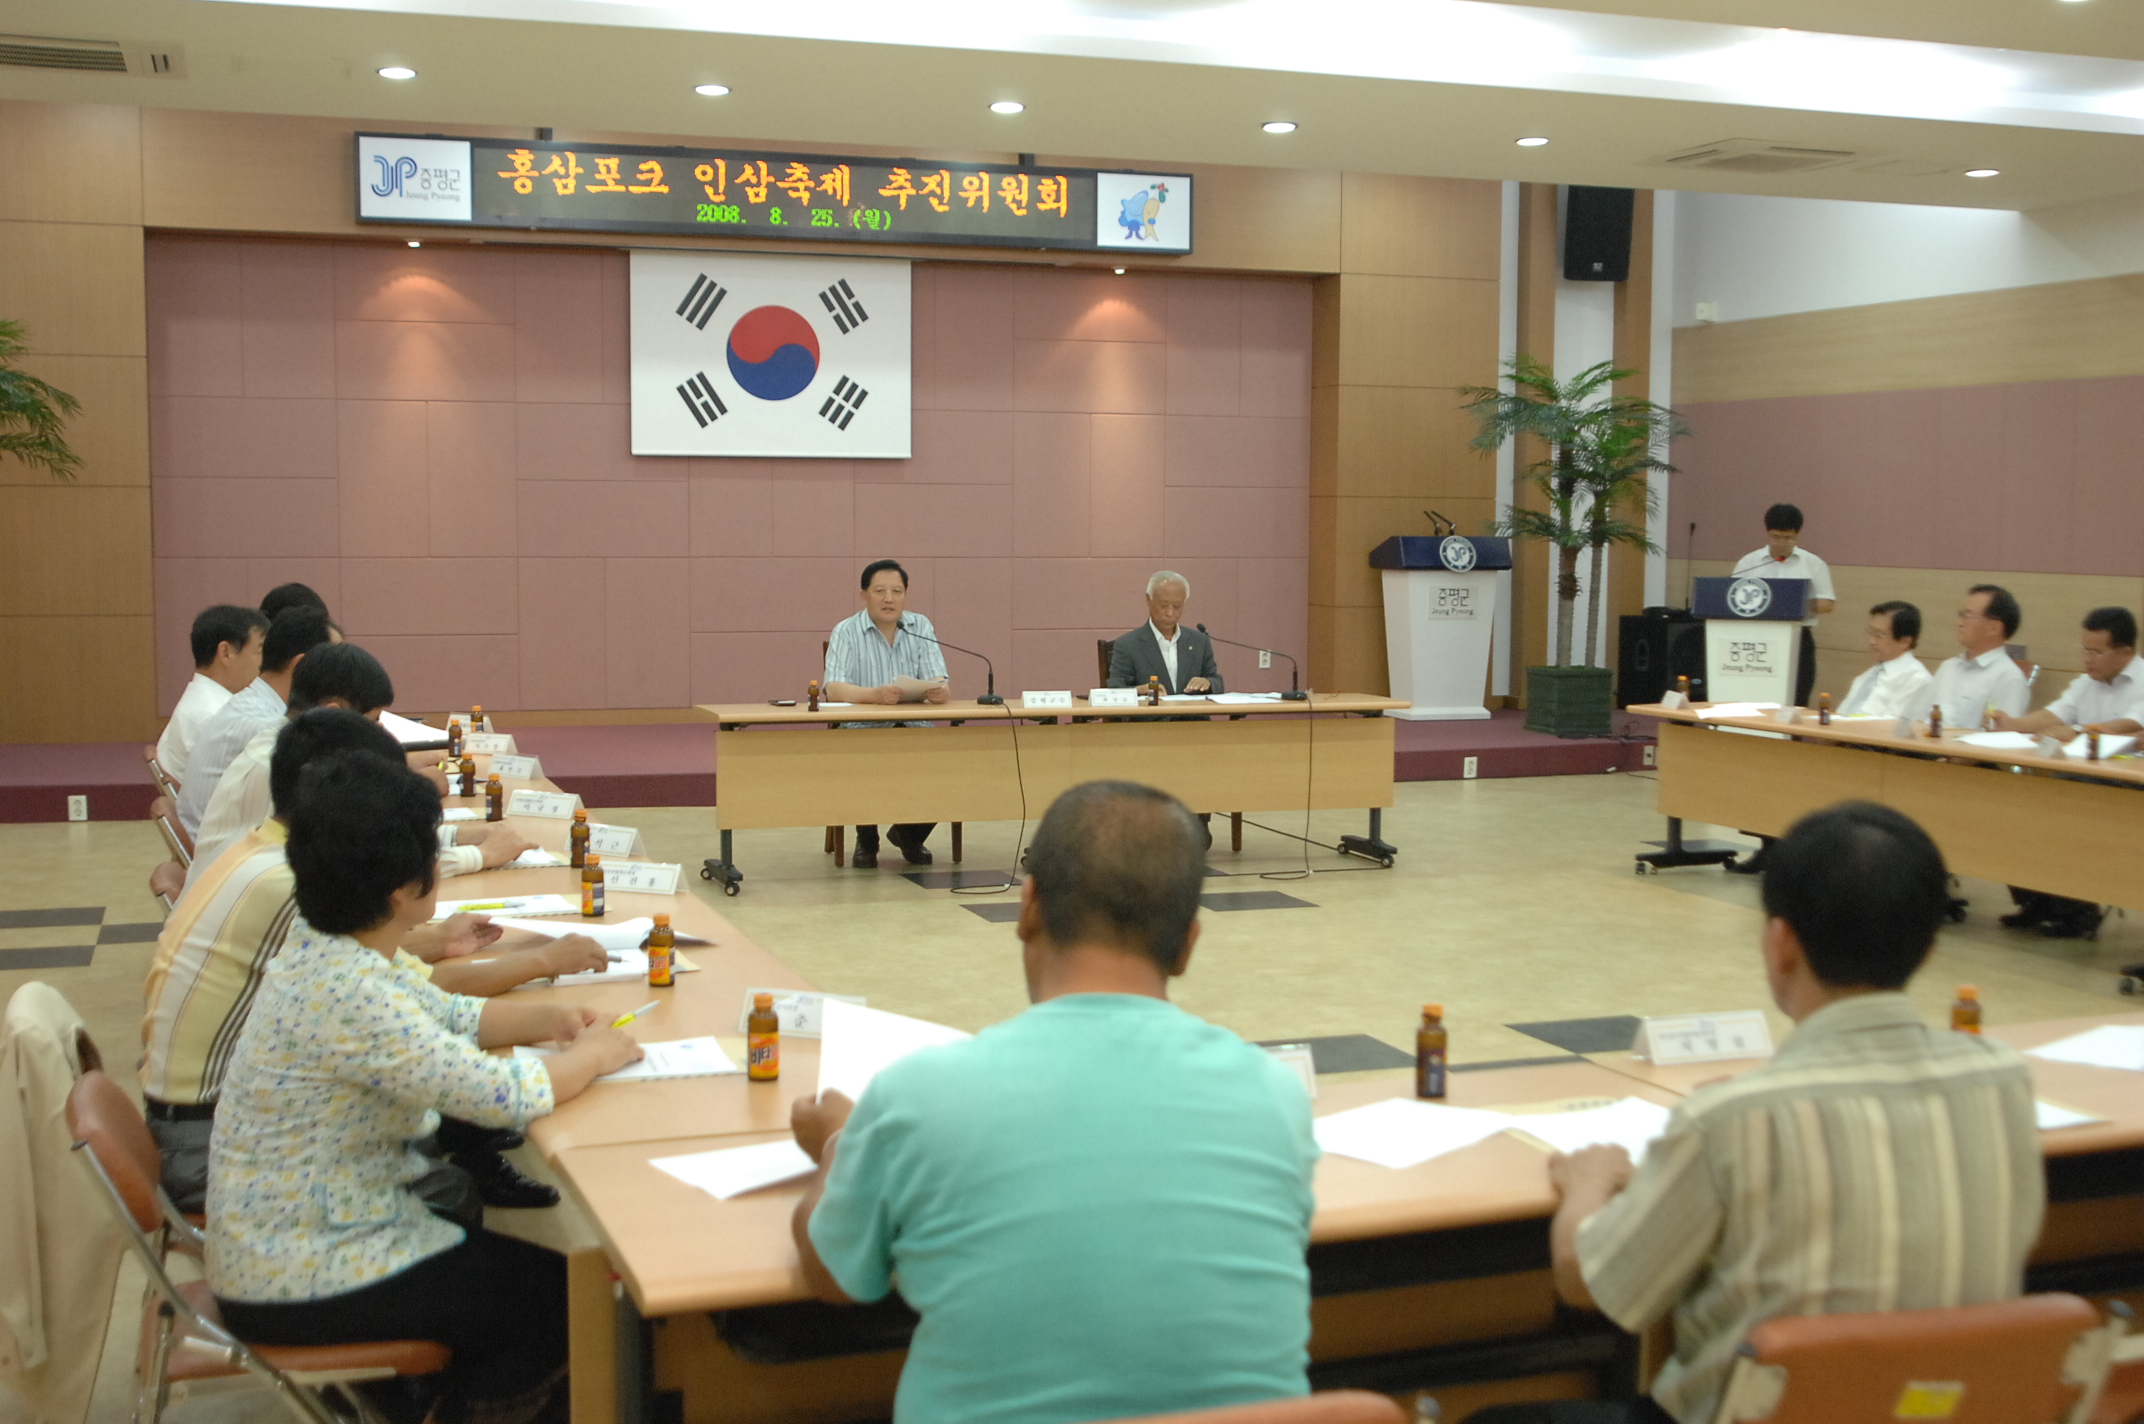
[(1405, 440), (1633, 350), (2060, 331), (54, 539), (62, 160), (95, 679), (1420, 227), (1416, 331), (1538, 272), (112, 432), (76, 286)]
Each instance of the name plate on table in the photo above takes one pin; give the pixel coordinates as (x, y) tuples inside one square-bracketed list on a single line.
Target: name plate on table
[(1047, 699), (556, 805), (801, 1012), (489, 744), (463, 718), (644, 877), (1672, 701), (1113, 697), (1703, 1038), (615, 840), (515, 768)]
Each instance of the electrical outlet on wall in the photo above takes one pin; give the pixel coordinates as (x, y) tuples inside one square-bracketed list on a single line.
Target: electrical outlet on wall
[(1265, 658), (1649, 755), (1470, 768), (78, 808)]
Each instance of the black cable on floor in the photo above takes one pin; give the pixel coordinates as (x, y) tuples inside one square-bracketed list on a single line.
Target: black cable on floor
[(1019, 768)]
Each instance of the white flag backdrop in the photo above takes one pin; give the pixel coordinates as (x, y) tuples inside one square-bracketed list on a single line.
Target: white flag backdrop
[(770, 356)]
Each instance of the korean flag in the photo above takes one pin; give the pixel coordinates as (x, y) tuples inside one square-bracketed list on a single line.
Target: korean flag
[(804, 357)]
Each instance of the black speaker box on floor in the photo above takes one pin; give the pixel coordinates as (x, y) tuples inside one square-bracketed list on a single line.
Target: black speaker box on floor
[(1596, 233), (1659, 646)]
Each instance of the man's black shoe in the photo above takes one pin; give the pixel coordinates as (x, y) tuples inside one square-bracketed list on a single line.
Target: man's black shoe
[(2020, 920), (1750, 864), (864, 860), (912, 850), (500, 1183), (2069, 927)]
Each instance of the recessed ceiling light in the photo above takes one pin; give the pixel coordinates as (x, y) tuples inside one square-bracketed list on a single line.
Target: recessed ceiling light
[(711, 91), (414, 243), (1281, 126), (1007, 106), (1982, 172), (1120, 271), (1531, 142), (397, 71)]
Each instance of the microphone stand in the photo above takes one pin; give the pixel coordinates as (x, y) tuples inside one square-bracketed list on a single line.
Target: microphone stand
[(1295, 691), (988, 699)]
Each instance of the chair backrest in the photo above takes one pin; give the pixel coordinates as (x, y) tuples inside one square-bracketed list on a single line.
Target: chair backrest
[(166, 816), (2042, 1357), (1103, 647), (102, 1116), (157, 774), (1338, 1406)]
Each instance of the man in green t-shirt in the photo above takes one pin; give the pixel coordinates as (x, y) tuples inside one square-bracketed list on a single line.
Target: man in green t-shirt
[(1100, 1207)]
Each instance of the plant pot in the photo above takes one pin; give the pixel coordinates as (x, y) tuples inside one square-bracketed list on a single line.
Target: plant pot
[(1570, 701)]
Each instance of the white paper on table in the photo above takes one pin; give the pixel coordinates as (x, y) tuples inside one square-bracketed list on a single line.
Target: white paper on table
[(800, 1012), (679, 1058), (1401, 1132), (1631, 1123), (824, 703), (511, 905), (2108, 1046), (626, 967), (2001, 741), (409, 732), (855, 1043), (625, 935), (461, 813), (2109, 746), (2051, 1118), (731, 1171), (534, 858), (1736, 709), (1237, 697)]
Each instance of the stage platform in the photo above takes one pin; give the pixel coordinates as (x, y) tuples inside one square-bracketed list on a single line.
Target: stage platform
[(673, 764)]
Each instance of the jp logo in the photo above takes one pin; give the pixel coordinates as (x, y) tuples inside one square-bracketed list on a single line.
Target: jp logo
[(1457, 553), (394, 172), (1749, 597)]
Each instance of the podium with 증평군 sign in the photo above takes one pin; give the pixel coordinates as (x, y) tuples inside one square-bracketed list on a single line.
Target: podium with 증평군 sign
[(1440, 609), (1753, 637)]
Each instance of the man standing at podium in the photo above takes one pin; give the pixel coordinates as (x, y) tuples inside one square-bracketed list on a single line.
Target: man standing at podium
[(1181, 657), (866, 657), (1782, 557)]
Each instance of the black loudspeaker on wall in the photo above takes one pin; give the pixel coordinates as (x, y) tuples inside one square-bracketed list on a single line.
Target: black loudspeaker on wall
[(1658, 647), (1596, 233)]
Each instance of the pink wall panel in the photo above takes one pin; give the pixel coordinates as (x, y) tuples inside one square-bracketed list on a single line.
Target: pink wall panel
[(2032, 477), (437, 440)]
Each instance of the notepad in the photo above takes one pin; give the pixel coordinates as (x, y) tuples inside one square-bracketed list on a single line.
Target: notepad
[(2001, 741), (731, 1171), (407, 732), (2108, 1046), (679, 1058), (461, 813), (2109, 747), (856, 1043), (626, 934), (2052, 1117), (1401, 1132), (509, 905), (1629, 1123), (534, 858)]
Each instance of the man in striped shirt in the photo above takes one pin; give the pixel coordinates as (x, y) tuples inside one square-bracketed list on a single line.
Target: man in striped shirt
[(886, 655), (1874, 1164)]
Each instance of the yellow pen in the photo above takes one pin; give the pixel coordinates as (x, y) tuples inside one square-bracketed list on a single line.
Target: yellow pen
[(623, 1019)]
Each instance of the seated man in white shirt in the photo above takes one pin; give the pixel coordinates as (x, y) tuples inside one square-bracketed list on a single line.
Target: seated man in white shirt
[(291, 635), (2107, 697), (1782, 557), (1983, 679), (866, 656), (1897, 683), (227, 655)]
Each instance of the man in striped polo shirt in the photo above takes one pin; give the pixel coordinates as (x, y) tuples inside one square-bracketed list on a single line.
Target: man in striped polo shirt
[(1874, 1164), (886, 655)]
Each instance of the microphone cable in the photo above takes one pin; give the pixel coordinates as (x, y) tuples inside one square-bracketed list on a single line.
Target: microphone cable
[(1012, 876)]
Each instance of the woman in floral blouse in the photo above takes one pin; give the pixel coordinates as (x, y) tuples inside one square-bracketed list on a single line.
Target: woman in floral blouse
[(347, 1058)]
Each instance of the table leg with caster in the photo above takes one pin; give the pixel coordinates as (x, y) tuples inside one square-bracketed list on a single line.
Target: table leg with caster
[(1373, 846), (1676, 851), (723, 868)]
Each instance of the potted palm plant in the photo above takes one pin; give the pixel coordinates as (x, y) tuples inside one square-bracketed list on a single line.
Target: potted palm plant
[(33, 413), (1594, 494)]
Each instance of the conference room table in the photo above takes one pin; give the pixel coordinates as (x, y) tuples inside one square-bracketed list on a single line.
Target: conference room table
[(1332, 751), (2060, 825), (1435, 1277)]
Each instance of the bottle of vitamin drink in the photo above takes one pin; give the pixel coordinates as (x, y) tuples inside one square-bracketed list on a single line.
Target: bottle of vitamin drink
[(1965, 1014), (476, 718), (812, 693), (763, 1041), (1432, 1045), (592, 887), (469, 776), (577, 839), (662, 964), (494, 799), (454, 736), (1823, 709)]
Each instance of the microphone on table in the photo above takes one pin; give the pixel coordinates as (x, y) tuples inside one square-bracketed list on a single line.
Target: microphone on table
[(1294, 692), (988, 699), (1449, 527)]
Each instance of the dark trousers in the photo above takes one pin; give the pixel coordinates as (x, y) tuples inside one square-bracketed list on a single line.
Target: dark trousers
[(915, 832), (1805, 676), (2044, 907), (447, 1189), (499, 1304), (1575, 1411)]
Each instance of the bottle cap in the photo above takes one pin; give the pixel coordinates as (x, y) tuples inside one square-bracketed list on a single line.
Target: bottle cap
[(595, 860), (1432, 1011), (662, 919), (762, 1001), (1967, 991)]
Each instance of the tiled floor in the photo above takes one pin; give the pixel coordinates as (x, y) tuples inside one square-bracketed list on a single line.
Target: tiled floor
[(1513, 903)]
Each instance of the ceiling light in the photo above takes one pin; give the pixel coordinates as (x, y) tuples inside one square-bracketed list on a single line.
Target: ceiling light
[(1120, 271), (397, 71), (1531, 142), (711, 91), (1982, 172), (1281, 126), (414, 243), (1007, 106)]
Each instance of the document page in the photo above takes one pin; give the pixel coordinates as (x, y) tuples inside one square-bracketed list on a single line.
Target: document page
[(1630, 1123), (2108, 1046), (679, 1058), (856, 1042), (1404, 1132), (729, 1171)]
